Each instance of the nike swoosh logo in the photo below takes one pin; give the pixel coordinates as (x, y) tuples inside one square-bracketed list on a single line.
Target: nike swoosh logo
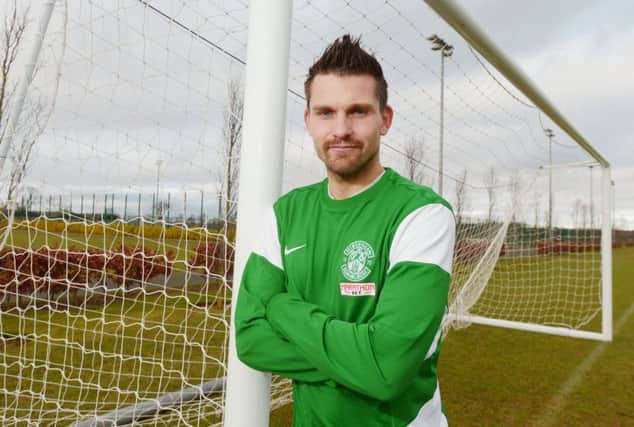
[(288, 251)]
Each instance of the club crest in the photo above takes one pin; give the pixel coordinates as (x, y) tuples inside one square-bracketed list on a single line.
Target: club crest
[(358, 258)]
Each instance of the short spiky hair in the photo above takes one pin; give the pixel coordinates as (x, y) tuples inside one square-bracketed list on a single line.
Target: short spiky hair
[(343, 57)]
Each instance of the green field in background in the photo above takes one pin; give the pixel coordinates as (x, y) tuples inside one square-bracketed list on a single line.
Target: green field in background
[(492, 377), (489, 376), (498, 377), (181, 250), (141, 343)]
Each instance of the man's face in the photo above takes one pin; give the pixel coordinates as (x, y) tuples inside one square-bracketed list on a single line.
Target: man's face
[(346, 123)]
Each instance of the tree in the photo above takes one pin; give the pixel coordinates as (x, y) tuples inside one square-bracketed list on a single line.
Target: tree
[(31, 117), (516, 195), (461, 198), (232, 133), (577, 209), (537, 206), (490, 182), (585, 216), (414, 156)]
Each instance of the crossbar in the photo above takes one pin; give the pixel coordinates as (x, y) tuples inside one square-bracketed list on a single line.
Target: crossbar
[(460, 21)]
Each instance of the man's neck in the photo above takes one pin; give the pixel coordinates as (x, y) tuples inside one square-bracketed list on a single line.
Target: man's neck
[(341, 187)]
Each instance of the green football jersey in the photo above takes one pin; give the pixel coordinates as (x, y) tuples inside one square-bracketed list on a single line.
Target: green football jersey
[(346, 298)]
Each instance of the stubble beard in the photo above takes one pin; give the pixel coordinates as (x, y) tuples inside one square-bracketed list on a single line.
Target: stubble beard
[(349, 168)]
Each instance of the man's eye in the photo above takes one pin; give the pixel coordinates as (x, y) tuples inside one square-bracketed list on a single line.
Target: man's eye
[(359, 112), (324, 113)]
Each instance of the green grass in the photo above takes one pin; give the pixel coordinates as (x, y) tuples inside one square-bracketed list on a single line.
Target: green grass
[(141, 344), (181, 249), (489, 376), (500, 377)]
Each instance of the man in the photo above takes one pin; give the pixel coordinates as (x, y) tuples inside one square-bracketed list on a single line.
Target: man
[(346, 292)]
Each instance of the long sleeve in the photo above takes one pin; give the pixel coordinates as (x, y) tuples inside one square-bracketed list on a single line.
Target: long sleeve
[(257, 344), (378, 358)]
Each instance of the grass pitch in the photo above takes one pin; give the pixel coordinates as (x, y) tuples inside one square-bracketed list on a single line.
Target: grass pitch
[(499, 377), (492, 377), (489, 376)]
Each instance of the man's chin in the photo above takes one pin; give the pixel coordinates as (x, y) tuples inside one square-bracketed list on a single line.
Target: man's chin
[(348, 167), (346, 170)]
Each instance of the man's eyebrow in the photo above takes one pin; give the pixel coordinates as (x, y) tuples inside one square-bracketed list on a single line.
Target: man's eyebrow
[(366, 105), (320, 107)]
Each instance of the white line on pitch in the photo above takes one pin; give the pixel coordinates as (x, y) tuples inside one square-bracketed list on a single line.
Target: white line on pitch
[(556, 404)]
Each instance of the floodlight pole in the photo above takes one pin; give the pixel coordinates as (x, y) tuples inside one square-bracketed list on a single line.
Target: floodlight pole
[(261, 164), (158, 211), (591, 203), (445, 50), (550, 134)]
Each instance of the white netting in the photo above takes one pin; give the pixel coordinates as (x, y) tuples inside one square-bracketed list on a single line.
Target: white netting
[(116, 272), (115, 276)]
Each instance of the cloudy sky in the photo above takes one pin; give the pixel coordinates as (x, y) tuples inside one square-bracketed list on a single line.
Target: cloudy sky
[(137, 90), (581, 54)]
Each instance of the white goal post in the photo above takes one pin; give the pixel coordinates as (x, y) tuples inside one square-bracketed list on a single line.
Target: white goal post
[(455, 16), (460, 21), (260, 181)]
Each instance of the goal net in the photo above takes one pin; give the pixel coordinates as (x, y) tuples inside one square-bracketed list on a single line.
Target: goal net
[(118, 196)]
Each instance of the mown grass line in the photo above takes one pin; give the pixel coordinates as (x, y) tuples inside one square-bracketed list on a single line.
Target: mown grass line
[(493, 377)]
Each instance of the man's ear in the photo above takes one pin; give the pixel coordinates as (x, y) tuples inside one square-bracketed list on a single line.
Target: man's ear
[(306, 114), (387, 115)]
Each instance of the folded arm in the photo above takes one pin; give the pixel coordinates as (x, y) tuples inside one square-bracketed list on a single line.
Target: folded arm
[(378, 358), (257, 344)]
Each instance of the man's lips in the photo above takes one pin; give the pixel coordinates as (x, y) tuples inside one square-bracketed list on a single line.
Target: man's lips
[(343, 147)]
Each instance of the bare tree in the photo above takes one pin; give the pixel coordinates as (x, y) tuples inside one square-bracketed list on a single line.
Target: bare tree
[(23, 148), (585, 215), (11, 38), (537, 206), (490, 181), (232, 133), (414, 156), (516, 195), (577, 208), (461, 198)]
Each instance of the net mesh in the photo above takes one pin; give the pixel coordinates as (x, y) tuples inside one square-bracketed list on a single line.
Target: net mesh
[(119, 195)]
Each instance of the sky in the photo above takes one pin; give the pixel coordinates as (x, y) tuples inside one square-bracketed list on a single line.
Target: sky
[(141, 102), (581, 54)]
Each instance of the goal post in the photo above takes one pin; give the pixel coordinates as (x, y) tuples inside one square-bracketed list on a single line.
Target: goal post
[(607, 209), (462, 23), (260, 182), (120, 247)]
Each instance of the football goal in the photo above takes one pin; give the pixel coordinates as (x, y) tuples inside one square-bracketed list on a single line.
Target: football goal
[(141, 141)]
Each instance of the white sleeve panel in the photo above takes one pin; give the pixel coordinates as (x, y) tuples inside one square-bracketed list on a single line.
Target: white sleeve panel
[(426, 235), (268, 242)]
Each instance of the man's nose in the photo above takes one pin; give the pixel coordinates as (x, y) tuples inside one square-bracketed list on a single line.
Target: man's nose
[(341, 127)]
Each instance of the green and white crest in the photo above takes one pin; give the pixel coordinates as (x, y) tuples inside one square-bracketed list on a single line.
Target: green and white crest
[(358, 258)]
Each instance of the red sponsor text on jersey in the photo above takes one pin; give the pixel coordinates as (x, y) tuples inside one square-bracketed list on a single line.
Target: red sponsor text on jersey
[(357, 289)]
